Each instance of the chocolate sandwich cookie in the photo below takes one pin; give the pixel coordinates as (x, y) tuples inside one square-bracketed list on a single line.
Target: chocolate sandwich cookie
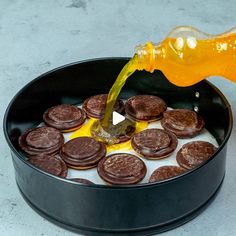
[(154, 143), (47, 140), (95, 106), (51, 164), (145, 107), (194, 153), (64, 117), (112, 134), (182, 122), (126, 134), (81, 181), (122, 168), (82, 152), (166, 172)]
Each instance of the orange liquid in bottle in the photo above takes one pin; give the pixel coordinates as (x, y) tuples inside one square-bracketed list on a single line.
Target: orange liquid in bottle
[(186, 57)]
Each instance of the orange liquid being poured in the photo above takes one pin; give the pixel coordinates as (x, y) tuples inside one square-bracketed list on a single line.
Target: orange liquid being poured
[(186, 57)]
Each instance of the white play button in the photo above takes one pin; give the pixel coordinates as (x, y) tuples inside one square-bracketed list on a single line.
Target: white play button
[(117, 118)]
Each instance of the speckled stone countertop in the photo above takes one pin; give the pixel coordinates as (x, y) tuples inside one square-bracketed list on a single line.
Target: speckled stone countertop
[(36, 36)]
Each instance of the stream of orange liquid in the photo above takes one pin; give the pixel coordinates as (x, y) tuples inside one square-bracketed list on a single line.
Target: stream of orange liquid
[(184, 61), (186, 57)]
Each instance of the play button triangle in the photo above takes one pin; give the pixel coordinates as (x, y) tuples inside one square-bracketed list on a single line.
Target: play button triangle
[(117, 118)]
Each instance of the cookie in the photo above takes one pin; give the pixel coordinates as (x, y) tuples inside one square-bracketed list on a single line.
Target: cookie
[(51, 164), (95, 106), (145, 107), (182, 122), (39, 140), (64, 117), (118, 133), (82, 152), (122, 169), (154, 143), (194, 153), (166, 172), (81, 181)]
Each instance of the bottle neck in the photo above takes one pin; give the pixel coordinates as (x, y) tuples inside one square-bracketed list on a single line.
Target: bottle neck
[(147, 56)]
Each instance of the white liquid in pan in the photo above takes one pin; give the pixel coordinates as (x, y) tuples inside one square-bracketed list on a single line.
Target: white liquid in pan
[(152, 165)]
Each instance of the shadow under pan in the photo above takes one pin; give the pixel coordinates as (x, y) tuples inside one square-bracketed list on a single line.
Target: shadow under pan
[(141, 209)]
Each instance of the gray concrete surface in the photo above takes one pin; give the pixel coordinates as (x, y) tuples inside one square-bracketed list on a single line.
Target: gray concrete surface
[(36, 36)]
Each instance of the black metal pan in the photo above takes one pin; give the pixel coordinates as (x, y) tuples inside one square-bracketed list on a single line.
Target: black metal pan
[(142, 209)]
